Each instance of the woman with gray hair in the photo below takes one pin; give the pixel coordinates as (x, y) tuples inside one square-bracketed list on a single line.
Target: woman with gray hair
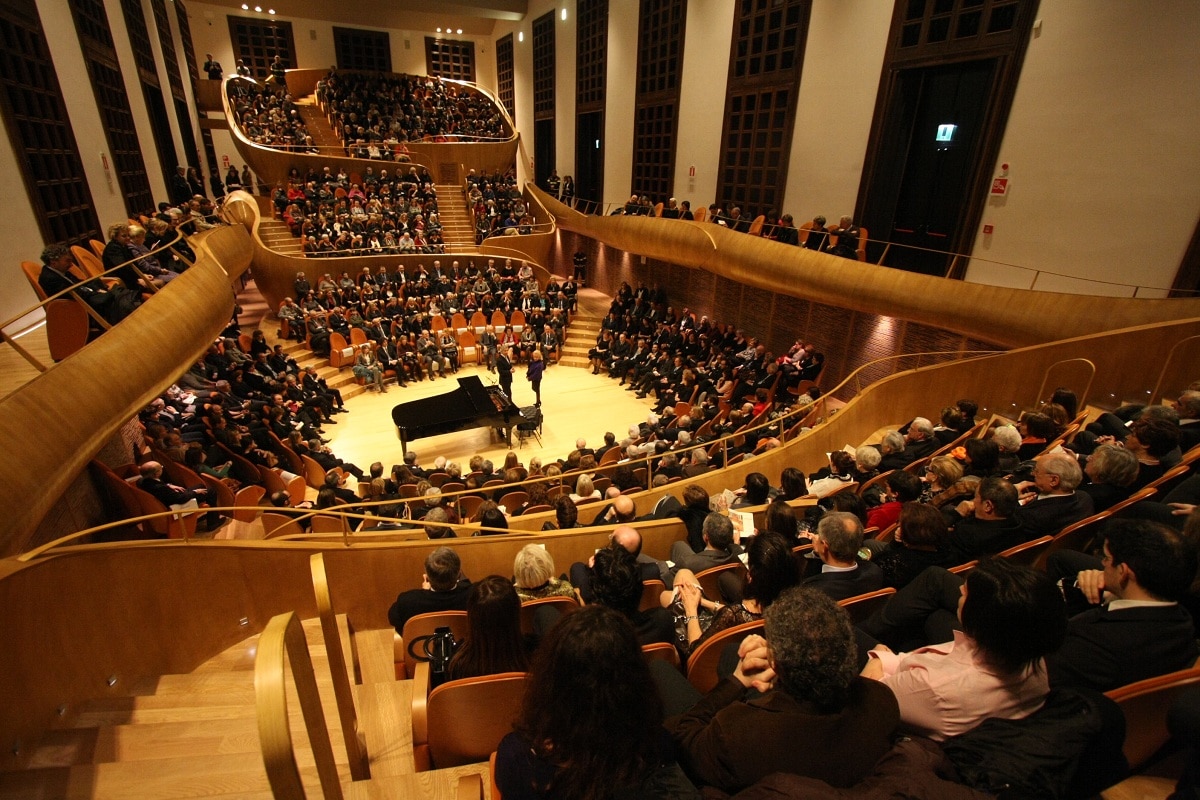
[(1111, 472), (533, 575)]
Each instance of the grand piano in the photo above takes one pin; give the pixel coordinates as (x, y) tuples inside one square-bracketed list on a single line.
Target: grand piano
[(471, 405)]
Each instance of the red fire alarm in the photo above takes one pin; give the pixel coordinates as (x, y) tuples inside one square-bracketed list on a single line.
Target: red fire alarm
[(988, 228)]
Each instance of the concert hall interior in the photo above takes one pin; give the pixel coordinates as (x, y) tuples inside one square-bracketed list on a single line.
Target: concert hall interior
[(1020, 176)]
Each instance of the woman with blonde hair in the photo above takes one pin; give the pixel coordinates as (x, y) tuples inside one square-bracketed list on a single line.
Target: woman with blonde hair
[(584, 490), (533, 575)]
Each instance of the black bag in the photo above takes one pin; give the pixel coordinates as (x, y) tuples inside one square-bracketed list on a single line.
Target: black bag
[(437, 648), (1038, 756)]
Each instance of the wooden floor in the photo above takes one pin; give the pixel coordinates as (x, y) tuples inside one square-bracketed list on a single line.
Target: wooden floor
[(575, 404), (15, 371)]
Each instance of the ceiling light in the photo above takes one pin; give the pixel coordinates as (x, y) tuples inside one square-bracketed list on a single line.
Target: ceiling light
[(459, 31), (439, 30), (270, 11), (245, 7), (258, 8)]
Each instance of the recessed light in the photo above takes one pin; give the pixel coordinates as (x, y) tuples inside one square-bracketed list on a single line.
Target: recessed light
[(270, 11), (258, 9), (439, 30), (459, 31), (245, 7)]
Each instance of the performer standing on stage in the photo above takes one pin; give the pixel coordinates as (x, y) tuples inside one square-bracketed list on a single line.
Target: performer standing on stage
[(504, 370), (536, 367)]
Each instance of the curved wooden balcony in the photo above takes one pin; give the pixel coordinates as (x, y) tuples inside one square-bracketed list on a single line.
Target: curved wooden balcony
[(61, 419), (1009, 317), (448, 162)]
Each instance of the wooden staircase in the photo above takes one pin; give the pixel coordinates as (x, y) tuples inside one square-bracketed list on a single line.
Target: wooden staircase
[(458, 230), (581, 337), (276, 235), (196, 735), (318, 125)]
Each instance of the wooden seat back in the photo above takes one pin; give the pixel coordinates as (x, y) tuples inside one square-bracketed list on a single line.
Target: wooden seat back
[(661, 651), (423, 625), (1145, 705), (468, 718), (702, 664), (529, 609), (709, 578), (651, 595), (1027, 553), (862, 606)]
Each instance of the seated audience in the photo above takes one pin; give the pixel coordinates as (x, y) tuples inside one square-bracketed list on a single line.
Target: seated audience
[(1012, 618), (493, 643), (591, 724), (1050, 502), (719, 548), (815, 717), (443, 588), (1137, 629), (533, 575), (986, 524), (920, 541), (770, 570), (837, 542)]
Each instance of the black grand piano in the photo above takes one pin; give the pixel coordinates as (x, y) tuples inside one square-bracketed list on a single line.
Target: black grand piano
[(471, 405)]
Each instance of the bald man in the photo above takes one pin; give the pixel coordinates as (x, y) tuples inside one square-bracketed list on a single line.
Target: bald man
[(620, 510), (627, 537)]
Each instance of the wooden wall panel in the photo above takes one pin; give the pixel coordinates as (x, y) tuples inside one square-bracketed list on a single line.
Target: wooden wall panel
[(755, 314), (829, 329), (702, 294), (872, 337), (727, 302)]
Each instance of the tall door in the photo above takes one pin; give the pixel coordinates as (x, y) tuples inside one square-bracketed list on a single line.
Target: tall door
[(940, 122), (589, 156), (543, 150)]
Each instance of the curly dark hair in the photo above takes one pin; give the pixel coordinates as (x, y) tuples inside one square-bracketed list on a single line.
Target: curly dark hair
[(591, 707), (813, 647), (616, 582)]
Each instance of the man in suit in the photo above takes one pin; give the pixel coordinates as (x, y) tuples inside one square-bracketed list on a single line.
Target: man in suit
[(168, 494), (920, 440), (1189, 419), (443, 588), (839, 537), (985, 524), (1137, 630), (1050, 500), (622, 536), (719, 547)]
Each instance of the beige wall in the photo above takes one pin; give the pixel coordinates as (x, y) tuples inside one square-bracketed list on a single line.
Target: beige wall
[(842, 63), (1105, 161), (708, 34), (619, 99), (1118, 204)]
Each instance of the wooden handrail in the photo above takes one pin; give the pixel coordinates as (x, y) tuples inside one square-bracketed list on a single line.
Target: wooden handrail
[(284, 635), (360, 768)]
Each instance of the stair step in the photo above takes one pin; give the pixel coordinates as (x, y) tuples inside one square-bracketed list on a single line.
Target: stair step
[(375, 655), (238, 775), (386, 722), (442, 783)]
